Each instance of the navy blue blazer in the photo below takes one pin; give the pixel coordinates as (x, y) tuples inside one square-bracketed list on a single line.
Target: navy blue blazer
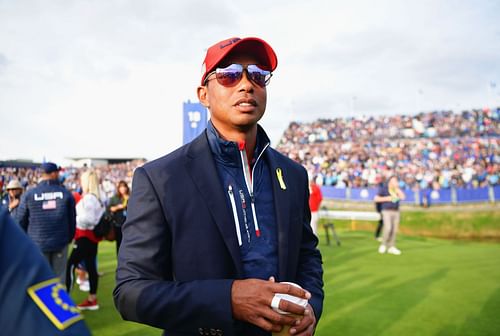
[(180, 255)]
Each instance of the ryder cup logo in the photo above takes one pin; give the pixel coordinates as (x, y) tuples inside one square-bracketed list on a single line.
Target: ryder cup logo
[(435, 195), (364, 193)]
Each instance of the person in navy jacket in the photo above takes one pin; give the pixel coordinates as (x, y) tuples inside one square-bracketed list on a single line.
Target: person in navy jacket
[(214, 228), (32, 300), (47, 214)]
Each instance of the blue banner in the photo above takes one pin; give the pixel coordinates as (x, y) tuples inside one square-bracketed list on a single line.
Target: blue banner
[(363, 194), (333, 193), (473, 195), (426, 196), (409, 196), (496, 192), (441, 196), (194, 120)]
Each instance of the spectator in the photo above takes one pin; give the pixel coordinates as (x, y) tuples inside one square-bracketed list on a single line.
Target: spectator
[(88, 213), (389, 196), (378, 208), (118, 208), (47, 214), (315, 198), (12, 199), (420, 149)]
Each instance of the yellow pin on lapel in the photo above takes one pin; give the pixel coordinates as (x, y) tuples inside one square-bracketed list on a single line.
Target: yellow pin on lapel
[(279, 175)]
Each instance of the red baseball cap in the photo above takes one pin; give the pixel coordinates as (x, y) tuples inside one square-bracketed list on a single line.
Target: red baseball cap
[(249, 45)]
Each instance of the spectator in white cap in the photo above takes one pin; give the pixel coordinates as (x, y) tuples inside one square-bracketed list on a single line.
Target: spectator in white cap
[(13, 197)]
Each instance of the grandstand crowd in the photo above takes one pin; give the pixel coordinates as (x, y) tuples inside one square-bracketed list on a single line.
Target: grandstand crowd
[(437, 150), (429, 150)]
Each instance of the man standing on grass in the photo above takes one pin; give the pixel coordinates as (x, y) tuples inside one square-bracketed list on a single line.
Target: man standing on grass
[(214, 226), (389, 196), (47, 213)]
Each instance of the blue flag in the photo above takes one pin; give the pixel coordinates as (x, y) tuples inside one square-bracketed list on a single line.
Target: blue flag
[(194, 120), (52, 298)]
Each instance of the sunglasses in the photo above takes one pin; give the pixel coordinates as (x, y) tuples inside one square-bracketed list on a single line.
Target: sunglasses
[(232, 74)]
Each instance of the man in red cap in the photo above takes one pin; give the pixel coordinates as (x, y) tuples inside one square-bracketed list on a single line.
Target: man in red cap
[(217, 228)]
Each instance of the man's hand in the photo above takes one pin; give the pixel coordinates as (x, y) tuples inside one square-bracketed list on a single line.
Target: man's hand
[(306, 326), (13, 204), (251, 302)]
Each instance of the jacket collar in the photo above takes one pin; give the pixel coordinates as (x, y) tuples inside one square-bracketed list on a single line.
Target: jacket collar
[(49, 182), (227, 152)]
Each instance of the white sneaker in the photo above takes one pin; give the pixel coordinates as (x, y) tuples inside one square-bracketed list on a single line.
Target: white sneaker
[(85, 286), (394, 250), (382, 249)]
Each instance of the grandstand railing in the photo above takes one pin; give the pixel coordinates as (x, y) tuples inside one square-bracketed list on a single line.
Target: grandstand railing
[(419, 197)]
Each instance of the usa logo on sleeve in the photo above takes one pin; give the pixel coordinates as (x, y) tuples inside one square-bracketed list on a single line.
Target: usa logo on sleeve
[(51, 297)]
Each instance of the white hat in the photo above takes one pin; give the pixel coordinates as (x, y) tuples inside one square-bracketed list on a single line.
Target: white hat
[(14, 184)]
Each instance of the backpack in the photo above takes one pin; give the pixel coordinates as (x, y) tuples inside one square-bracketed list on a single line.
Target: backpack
[(106, 227)]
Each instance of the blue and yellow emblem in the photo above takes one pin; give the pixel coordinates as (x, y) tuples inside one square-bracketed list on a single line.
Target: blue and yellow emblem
[(52, 298)]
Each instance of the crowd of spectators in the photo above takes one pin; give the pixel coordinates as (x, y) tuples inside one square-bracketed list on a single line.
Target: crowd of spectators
[(429, 150), (109, 175)]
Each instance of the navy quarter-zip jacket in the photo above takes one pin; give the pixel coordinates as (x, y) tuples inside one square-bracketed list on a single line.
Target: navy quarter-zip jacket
[(180, 251)]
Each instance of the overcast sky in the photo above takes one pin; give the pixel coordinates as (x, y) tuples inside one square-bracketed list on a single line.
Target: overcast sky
[(108, 78)]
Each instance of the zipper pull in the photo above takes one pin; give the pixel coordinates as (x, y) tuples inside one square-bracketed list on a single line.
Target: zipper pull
[(279, 175), (235, 213)]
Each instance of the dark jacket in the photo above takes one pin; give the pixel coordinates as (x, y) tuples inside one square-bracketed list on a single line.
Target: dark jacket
[(120, 215), (180, 253), (5, 204), (26, 277), (47, 213), (249, 195), (383, 191)]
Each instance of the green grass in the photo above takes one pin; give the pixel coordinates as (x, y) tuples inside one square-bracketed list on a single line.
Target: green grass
[(107, 321), (451, 224), (482, 224), (437, 287)]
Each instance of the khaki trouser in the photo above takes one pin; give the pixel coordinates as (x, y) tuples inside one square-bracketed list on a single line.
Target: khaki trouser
[(391, 226)]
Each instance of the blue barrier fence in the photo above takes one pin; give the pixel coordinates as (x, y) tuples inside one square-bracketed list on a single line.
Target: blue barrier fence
[(443, 196)]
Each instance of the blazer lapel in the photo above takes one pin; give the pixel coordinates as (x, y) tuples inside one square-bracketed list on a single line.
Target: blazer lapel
[(200, 165), (282, 209)]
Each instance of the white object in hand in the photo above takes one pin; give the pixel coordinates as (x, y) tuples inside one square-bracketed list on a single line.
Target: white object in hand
[(293, 299)]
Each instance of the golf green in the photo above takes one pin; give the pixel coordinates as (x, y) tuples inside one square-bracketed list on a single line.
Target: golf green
[(436, 287)]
